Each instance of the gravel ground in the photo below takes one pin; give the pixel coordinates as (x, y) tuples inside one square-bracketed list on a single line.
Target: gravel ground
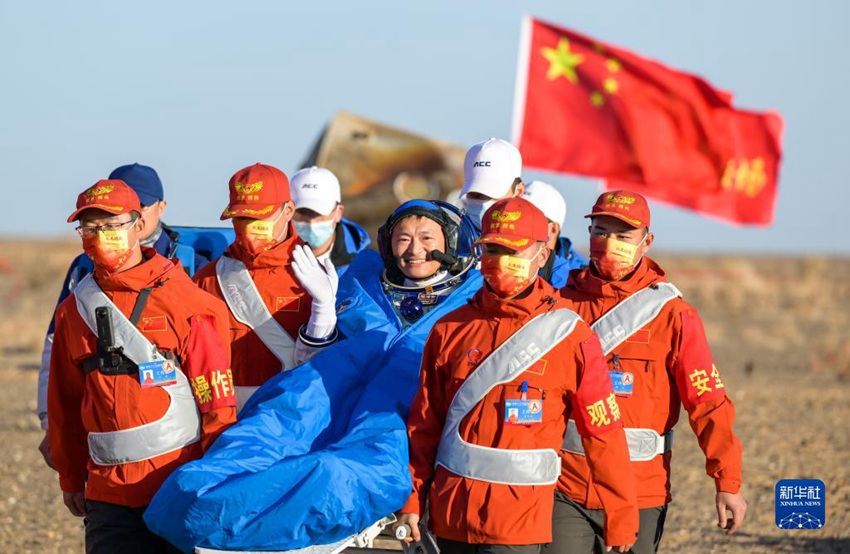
[(793, 408)]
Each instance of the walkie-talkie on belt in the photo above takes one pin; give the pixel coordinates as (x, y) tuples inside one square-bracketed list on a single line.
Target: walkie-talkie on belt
[(110, 357)]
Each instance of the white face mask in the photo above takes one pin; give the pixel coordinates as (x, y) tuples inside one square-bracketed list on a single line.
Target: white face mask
[(476, 209)]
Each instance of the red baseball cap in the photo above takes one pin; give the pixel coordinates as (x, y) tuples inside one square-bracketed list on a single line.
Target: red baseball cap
[(515, 223), (629, 207), (256, 191), (110, 195)]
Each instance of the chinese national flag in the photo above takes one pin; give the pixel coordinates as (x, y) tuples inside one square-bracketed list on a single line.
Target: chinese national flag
[(593, 109)]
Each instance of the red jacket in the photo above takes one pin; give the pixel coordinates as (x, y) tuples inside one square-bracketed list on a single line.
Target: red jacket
[(283, 295), (672, 365), (178, 318), (570, 374)]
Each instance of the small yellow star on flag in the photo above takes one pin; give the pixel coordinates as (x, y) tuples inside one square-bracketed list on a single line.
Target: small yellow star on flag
[(562, 61), (597, 98)]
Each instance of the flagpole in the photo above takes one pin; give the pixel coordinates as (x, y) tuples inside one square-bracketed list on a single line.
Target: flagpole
[(521, 79)]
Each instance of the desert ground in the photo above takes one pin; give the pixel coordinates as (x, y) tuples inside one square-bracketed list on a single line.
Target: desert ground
[(779, 332)]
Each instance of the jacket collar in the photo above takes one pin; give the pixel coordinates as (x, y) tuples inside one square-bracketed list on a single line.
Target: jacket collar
[(164, 245), (647, 273), (340, 254), (153, 269), (540, 294)]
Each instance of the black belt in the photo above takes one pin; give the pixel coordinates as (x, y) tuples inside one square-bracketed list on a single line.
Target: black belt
[(115, 364), (122, 365)]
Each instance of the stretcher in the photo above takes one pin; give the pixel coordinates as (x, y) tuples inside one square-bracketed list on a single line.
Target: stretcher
[(374, 539), (364, 542)]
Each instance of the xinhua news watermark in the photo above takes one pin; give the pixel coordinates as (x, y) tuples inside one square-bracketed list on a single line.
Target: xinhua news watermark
[(800, 504)]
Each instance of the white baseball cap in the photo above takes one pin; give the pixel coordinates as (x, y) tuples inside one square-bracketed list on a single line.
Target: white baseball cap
[(315, 188), (548, 200), (491, 167)]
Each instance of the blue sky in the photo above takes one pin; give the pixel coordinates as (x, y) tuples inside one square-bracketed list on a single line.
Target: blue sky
[(200, 89)]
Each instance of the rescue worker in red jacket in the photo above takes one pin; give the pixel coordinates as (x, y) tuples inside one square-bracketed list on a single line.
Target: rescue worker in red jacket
[(499, 379), (139, 375), (281, 299), (658, 356)]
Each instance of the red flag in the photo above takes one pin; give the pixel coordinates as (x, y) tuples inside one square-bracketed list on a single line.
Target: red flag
[(593, 109)]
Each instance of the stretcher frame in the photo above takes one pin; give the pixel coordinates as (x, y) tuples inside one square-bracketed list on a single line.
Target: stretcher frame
[(363, 539)]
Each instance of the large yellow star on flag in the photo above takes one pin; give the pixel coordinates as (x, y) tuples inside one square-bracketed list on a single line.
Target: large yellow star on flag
[(562, 61)]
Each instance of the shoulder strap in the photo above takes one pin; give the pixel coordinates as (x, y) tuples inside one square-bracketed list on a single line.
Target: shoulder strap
[(181, 423), (133, 343), (248, 308), (519, 352), (141, 301), (630, 315)]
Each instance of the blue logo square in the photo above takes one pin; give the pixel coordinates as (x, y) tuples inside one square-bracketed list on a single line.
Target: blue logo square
[(800, 504)]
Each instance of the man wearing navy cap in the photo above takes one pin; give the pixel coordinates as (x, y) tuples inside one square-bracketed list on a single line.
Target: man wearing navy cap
[(154, 233), (146, 183)]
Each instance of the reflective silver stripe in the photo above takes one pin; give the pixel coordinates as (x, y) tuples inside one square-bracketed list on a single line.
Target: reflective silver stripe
[(248, 308), (180, 425), (242, 396), (644, 444), (613, 328), (495, 465), (630, 315)]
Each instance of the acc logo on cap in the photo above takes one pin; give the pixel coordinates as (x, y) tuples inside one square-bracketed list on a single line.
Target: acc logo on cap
[(249, 188), (481, 164)]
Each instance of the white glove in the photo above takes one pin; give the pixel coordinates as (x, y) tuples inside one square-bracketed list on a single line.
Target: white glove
[(321, 282)]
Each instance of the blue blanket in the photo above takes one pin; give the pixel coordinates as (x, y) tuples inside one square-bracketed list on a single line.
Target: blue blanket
[(320, 452)]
